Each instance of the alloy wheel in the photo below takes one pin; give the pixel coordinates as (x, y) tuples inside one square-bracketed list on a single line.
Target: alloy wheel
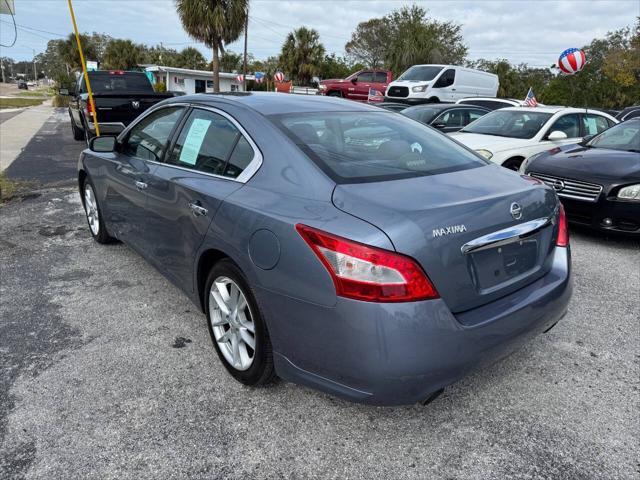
[(91, 209), (232, 323)]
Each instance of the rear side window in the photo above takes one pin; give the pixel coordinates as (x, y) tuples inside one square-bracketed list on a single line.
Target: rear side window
[(148, 138), (353, 147), (380, 77), (211, 143), (594, 124)]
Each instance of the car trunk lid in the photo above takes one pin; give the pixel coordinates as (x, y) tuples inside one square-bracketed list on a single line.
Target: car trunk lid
[(434, 218)]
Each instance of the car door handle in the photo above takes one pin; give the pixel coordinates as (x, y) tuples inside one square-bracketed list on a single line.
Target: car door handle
[(198, 210), (141, 185)]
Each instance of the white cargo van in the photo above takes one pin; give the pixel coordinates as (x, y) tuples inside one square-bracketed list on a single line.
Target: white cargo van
[(441, 83)]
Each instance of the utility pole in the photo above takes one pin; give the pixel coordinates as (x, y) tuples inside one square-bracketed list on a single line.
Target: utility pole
[(2, 68), (35, 72), (244, 63)]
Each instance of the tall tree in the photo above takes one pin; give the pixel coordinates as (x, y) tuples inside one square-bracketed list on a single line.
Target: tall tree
[(302, 54), (215, 23), (369, 42), (68, 50), (416, 38), (191, 57), (122, 54)]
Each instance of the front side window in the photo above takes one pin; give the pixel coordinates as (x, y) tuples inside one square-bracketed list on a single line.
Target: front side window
[(476, 114), (353, 147), (211, 143), (509, 123), (568, 124), (148, 138), (594, 124), (452, 118), (623, 136), (420, 113), (446, 79)]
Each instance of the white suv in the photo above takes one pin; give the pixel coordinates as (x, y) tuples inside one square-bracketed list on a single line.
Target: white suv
[(510, 135)]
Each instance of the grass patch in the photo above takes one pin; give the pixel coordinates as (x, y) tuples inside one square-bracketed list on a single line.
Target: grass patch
[(17, 102), (8, 188), (35, 93)]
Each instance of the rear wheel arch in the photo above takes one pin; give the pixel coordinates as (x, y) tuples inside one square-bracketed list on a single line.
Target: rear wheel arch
[(207, 260), (433, 100)]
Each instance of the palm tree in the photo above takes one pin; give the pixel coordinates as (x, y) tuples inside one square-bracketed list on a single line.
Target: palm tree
[(302, 54), (192, 58), (68, 51), (122, 54), (215, 23)]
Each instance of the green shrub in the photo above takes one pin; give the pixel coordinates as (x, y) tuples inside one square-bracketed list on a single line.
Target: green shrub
[(60, 101), (160, 87)]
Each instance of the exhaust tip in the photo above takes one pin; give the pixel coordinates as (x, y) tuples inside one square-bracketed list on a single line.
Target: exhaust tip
[(432, 397)]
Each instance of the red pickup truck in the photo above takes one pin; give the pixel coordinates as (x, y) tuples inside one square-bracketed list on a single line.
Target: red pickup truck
[(356, 86)]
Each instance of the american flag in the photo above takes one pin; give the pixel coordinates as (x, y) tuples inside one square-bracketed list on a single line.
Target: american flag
[(531, 101), (375, 95)]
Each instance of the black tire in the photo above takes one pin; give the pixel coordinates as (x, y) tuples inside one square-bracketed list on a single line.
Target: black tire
[(433, 100), (77, 133), (261, 371), (513, 163), (102, 235), (334, 94)]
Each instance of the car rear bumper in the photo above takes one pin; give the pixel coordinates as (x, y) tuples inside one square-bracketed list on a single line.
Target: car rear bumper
[(400, 353), (624, 216)]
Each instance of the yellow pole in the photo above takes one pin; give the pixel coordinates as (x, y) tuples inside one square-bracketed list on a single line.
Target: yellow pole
[(84, 71)]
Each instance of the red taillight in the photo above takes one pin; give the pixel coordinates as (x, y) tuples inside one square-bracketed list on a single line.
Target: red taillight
[(116, 72), (367, 273), (563, 229), (89, 108)]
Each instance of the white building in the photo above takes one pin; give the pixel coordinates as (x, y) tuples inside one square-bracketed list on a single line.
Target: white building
[(192, 81)]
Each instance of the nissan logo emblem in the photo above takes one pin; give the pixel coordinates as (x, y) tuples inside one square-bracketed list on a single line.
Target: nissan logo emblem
[(558, 185), (516, 211)]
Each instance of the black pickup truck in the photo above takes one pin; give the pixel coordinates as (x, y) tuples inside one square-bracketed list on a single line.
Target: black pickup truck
[(119, 98)]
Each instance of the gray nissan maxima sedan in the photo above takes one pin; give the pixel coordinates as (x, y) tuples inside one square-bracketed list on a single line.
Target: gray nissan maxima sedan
[(332, 243)]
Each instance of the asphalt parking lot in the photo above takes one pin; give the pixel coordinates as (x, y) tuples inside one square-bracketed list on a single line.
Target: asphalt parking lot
[(107, 371)]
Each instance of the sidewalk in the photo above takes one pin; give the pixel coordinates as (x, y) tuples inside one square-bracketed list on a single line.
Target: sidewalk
[(16, 132)]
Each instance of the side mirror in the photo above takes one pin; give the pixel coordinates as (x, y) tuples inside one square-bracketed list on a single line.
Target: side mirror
[(557, 135), (585, 140), (105, 144), (63, 91), (354, 80), (439, 125)]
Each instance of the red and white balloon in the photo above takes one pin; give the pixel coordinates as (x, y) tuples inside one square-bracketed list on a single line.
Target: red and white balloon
[(240, 78), (278, 77), (571, 61)]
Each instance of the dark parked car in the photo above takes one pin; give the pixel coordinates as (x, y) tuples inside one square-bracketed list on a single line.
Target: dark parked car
[(598, 181), (392, 106), (332, 243), (629, 113), (22, 85), (119, 98), (447, 117)]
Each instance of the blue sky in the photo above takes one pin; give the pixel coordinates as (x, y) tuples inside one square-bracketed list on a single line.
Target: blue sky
[(534, 32)]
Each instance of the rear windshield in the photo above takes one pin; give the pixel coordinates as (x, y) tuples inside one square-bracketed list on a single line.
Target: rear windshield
[(423, 73), (509, 123), (112, 82), (422, 114), (354, 147)]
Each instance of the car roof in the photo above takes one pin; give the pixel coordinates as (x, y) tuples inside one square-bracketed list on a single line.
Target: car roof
[(272, 103), (444, 106), (552, 109)]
